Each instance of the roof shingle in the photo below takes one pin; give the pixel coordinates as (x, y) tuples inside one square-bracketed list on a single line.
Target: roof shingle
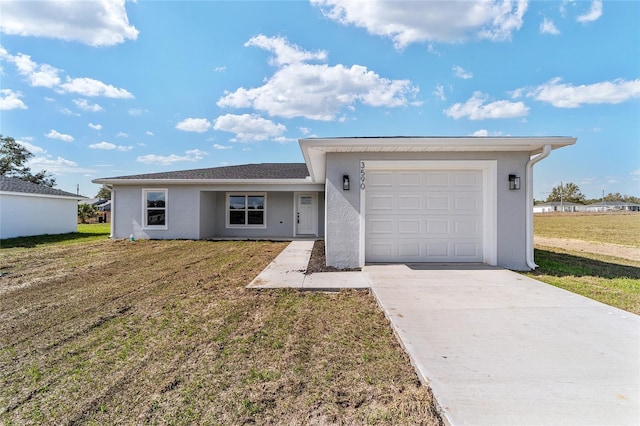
[(10, 184), (244, 171)]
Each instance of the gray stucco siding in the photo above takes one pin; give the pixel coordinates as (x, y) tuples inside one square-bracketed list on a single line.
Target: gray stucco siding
[(200, 212), (343, 220)]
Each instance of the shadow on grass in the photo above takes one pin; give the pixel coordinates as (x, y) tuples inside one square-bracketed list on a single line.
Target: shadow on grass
[(29, 242), (563, 264)]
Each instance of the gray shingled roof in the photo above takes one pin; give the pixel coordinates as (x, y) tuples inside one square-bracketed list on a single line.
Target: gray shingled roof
[(9, 184), (245, 171)]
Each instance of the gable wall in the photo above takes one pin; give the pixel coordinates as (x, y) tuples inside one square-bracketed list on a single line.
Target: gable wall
[(22, 216), (343, 213)]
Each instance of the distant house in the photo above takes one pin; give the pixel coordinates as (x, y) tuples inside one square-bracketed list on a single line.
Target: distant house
[(372, 199), (102, 205), (605, 206), (28, 209), (557, 206)]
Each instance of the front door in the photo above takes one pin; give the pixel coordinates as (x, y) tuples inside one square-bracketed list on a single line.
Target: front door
[(306, 214)]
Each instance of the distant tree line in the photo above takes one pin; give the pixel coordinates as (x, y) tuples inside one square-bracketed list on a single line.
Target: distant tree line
[(13, 159), (570, 193)]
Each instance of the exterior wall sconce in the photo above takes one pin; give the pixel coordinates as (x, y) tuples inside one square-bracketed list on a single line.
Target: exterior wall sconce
[(514, 182), (345, 182)]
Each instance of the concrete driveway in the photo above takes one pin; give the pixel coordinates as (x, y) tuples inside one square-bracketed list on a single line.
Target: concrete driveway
[(498, 348)]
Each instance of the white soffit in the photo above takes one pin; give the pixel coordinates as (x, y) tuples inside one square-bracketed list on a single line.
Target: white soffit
[(315, 149)]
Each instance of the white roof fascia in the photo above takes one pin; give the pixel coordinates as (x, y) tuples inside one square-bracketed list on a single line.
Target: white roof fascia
[(314, 150), (116, 181)]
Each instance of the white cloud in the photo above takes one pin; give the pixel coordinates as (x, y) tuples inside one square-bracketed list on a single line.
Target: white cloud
[(462, 73), (424, 21), (198, 125), (285, 53), (221, 147), (39, 75), (191, 156), (57, 165), (564, 95), (249, 127), (110, 146), (220, 69), (122, 135), (32, 148), (54, 134), (149, 133), (318, 91), (304, 130), (84, 105), (439, 93), (11, 100), (481, 132), (95, 126), (594, 13), (476, 109), (548, 27), (90, 87), (96, 23), (44, 75)]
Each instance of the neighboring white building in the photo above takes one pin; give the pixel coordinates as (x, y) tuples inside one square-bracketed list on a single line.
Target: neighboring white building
[(373, 199), (557, 206), (606, 206), (28, 209)]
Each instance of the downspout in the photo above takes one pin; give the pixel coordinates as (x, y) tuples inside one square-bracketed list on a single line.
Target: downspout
[(546, 150)]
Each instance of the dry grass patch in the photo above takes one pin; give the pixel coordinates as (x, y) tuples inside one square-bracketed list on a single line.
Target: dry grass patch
[(609, 228), (164, 332)]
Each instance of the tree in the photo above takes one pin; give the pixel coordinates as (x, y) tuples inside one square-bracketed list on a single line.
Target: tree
[(104, 194), (13, 159), (569, 192), (86, 212)]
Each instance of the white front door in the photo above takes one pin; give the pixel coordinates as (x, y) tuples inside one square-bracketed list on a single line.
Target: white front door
[(306, 214)]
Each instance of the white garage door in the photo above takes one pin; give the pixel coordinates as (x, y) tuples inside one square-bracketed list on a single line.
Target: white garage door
[(423, 216)]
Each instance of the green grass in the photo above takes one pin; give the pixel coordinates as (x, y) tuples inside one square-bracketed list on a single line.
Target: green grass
[(86, 233), (609, 280), (621, 229)]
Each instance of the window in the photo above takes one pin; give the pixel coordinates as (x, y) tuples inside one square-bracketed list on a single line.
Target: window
[(246, 210), (155, 208)]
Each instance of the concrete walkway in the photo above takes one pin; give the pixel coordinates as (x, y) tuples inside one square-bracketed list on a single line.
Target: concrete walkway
[(288, 271), (496, 347)]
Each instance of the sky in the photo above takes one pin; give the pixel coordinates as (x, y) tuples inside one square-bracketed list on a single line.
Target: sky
[(103, 88)]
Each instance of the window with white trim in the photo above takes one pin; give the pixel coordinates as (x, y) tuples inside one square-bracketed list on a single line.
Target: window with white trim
[(247, 210), (155, 208)]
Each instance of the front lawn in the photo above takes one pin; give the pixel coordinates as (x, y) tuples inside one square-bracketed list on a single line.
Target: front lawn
[(164, 332)]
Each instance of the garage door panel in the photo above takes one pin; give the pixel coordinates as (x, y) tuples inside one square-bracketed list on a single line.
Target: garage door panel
[(380, 202), (409, 179), (380, 179), (437, 202), (437, 220), (381, 227), (409, 226), (409, 202)]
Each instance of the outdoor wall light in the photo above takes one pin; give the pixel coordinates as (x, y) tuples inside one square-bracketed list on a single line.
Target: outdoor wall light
[(345, 182), (514, 182)]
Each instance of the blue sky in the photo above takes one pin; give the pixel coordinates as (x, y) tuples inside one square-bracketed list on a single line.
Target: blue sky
[(109, 88)]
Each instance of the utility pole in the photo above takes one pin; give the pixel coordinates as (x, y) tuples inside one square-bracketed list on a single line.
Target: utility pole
[(77, 189)]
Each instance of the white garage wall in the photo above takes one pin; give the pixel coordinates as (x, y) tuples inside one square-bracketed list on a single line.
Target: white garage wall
[(27, 215)]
